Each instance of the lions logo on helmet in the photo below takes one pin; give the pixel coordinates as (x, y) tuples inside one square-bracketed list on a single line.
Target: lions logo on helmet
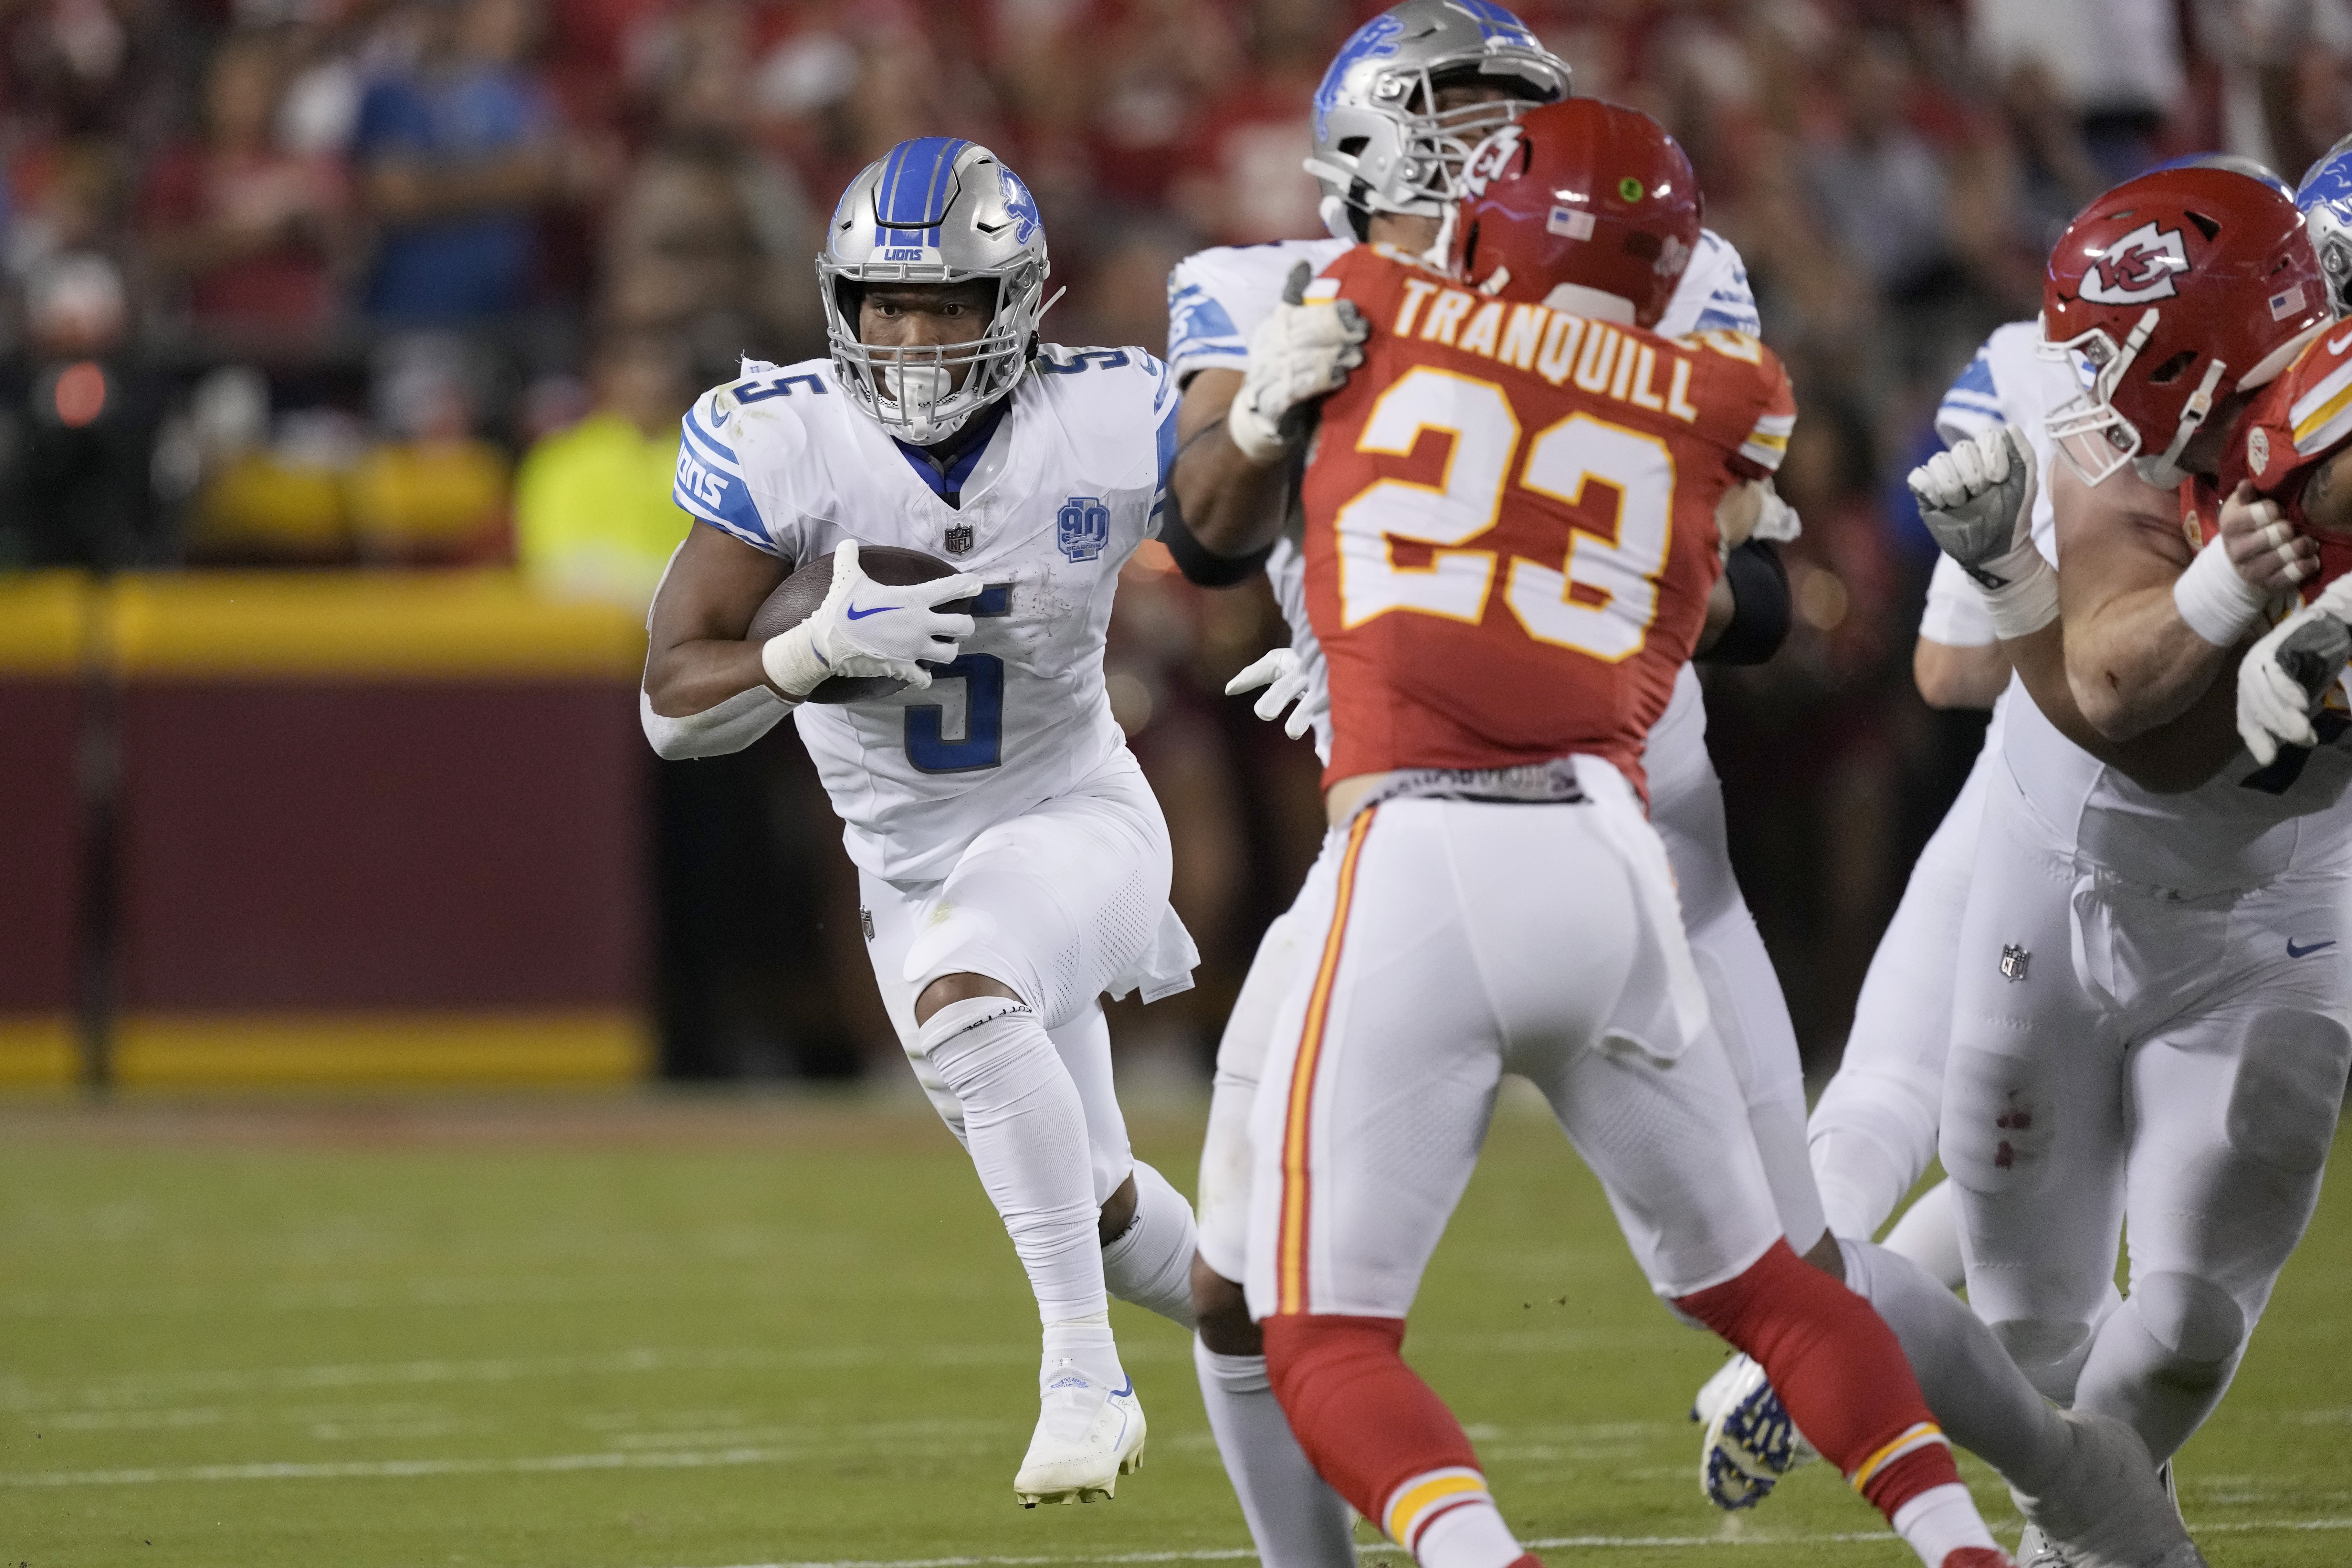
[(1381, 142), (2326, 199)]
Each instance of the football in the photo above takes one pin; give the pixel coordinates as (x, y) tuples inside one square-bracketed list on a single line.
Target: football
[(798, 595)]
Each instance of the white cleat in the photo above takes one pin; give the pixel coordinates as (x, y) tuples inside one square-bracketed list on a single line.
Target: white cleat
[(1088, 1435), (2105, 1508), (1750, 1442)]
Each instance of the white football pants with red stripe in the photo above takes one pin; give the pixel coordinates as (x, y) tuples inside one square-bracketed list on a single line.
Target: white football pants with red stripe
[(1455, 941)]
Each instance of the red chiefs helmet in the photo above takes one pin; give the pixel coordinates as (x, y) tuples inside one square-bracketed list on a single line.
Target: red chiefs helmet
[(2169, 293), (1575, 198)]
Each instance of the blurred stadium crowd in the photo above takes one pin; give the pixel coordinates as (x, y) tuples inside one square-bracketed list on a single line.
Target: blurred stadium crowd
[(419, 283)]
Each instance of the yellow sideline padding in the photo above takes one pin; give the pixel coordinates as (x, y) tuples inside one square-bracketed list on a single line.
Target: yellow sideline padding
[(364, 625), (596, 1045), (38, 1050), (43, 622)]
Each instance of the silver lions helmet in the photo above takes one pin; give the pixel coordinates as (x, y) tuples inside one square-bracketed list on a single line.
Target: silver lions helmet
[(934, 210), (2326, 198), (1382, 144)]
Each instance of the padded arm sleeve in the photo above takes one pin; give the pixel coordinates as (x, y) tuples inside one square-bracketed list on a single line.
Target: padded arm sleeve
[(1198, 563), (715, 732), (1759, 606)]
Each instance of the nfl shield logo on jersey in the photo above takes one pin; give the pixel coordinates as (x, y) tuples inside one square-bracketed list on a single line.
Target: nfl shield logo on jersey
[(2013, 961), (1082, 528), (959, 538)]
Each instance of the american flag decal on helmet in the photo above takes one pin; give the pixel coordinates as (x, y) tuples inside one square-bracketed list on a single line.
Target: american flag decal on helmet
[(2286, 302)]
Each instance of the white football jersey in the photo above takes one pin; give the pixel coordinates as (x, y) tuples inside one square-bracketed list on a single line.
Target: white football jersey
[(1217, 298), (1053, 503), (2243, 826)]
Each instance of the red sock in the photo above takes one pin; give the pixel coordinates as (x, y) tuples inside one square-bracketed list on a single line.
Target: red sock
[(1839, 1371), (1366, 1422)]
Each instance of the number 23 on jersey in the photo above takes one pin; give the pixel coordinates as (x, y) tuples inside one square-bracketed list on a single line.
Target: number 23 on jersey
[(1617, 571)]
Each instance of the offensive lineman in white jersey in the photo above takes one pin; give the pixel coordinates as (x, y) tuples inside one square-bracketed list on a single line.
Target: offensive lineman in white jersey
[(1013, 862), (2139, 1030), (1404, 101)]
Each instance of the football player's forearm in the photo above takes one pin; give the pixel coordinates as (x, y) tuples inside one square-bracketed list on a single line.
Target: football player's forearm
[(1232, 506), (692, 678), (1952, 675), (2134, 664)]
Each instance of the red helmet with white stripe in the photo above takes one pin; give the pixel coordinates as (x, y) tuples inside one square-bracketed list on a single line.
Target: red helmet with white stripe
[(2169, 293)]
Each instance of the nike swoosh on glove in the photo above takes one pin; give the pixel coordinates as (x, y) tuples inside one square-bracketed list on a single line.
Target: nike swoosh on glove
[(1298, 353), (1284, 676), (1977, 501), (868, 628), (2285, 676)]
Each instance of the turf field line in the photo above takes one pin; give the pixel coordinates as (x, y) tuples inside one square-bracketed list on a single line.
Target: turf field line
[(1556, 1542), (16, 1395), (373, 1469)]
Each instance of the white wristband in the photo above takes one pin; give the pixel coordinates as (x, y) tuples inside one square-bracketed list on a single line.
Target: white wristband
[(2218, 603), (790, 660), (2029, 600)]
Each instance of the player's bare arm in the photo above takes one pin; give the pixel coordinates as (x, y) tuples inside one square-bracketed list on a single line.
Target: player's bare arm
[(1955, 675), (2132, 661), (697, 656), (1232, 505)]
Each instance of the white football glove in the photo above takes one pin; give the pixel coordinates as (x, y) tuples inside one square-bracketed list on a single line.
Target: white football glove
[(1298, 354), (869, 629), (1778, 521), (1286, 681), (2285, 676), (1978, 502)]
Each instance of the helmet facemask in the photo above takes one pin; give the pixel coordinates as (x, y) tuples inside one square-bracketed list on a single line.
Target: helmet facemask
[(911, 392)]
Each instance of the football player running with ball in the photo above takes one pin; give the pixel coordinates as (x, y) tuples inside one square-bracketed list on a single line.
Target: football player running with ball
[(1013, 862), (1513, 522)]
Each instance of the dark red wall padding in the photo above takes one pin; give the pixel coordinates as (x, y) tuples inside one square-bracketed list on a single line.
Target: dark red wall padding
[(40, 844), (341, 844)]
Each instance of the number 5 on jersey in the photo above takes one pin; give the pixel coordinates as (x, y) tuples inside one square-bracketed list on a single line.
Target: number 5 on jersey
[(982, 678), (1620, 575)]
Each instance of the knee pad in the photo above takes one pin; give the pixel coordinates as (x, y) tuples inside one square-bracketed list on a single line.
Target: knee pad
[(2049, 1350), (961, 940), (2287, 1089), (2193, 1318)]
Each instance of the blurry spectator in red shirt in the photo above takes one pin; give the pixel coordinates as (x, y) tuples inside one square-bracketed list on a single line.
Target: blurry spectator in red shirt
[(255, 237)]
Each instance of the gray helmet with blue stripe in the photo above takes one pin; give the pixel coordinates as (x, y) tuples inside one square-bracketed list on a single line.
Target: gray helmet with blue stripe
[(2326, 198), (1380, 142), (934, 210)]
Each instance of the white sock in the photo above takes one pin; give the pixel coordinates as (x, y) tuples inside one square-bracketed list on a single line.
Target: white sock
[(1940, 1522), (1294, 1516), (1026, 1128), (1087, 1345), (1978, 1395), (1150, 1264), (1928, 1234), (1468, 1535)]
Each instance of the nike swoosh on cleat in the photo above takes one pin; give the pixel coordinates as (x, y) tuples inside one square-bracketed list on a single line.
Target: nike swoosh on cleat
[(2338, 346), (2294, 952), (1125, 1389), (857, 614)]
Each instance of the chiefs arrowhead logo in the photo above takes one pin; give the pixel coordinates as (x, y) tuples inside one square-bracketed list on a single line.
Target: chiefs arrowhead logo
[(2138, 268), (1490, 161)]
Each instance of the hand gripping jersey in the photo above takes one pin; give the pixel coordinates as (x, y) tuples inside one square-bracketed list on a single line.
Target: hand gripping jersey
[(1510, 521), (1055, 500), (2293, 425), (1216, 298)]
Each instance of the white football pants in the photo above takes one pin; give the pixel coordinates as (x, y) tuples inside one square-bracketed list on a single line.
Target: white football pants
[(2121, 1053)]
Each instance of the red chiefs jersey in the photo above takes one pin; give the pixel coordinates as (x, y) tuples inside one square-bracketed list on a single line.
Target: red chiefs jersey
[(1510, 521), (2295, 423)]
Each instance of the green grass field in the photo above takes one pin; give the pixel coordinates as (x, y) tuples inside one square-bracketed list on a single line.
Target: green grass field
[(679, 1334)]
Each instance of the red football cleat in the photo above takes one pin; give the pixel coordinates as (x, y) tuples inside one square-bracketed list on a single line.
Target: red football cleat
[(1979, 1557)]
